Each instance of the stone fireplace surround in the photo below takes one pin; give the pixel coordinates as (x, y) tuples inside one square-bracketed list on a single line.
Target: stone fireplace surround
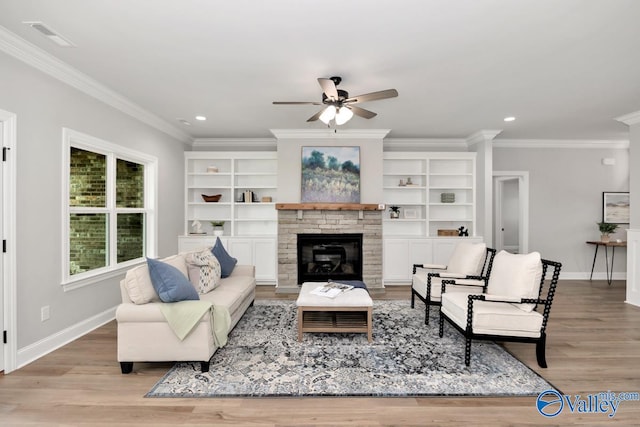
[(292, 222)]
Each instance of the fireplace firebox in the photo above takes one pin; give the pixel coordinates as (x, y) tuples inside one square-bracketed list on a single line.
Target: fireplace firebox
[(323, 257)]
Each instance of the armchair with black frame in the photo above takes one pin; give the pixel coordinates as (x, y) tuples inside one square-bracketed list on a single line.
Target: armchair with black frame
[(470, 264), (510, 307)]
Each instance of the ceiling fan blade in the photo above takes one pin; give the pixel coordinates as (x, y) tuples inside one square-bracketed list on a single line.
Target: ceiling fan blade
[(297, 103), (315, 117), (329, 88), (362, 112), (383, 94)]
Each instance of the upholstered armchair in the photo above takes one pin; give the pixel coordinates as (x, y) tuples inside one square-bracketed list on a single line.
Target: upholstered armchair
[(511, 306), (470, 264)]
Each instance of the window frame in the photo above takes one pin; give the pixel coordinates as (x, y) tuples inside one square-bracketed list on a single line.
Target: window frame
[(75, 139)]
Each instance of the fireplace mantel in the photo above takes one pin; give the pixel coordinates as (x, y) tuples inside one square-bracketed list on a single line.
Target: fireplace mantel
[(328, 207)]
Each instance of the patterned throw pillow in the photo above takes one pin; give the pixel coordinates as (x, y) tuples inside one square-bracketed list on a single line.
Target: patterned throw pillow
[(204, 270)]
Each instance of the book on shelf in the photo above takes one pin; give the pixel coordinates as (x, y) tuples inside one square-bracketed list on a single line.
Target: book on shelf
[(331, 289)]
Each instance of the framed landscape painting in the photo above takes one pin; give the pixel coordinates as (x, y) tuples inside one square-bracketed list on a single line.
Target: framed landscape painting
[(615, 207), (330, 174)]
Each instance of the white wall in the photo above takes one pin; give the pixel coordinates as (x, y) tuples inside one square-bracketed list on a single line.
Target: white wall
[(565, 201), (290, 158), (44, 106)]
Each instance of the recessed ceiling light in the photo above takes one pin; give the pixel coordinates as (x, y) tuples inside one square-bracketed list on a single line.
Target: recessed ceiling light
[(201, 118), (184, 122), (509, 119), (49, 33)]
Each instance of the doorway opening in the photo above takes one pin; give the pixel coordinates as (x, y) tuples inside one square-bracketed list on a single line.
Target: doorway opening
[(511, 211)]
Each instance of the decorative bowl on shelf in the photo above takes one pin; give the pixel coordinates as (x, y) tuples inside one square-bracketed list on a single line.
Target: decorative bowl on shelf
[(214, 198)]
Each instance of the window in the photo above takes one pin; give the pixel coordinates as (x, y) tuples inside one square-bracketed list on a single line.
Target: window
[(109, 201)]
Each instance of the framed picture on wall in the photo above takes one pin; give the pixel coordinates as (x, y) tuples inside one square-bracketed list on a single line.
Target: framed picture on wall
[(615, 207), (410, 213), (330, 174)]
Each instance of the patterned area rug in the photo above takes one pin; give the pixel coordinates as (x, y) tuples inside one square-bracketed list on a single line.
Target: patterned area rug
[(263, 358)]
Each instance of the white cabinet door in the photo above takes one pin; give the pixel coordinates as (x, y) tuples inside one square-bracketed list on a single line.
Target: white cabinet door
[(395, 260), (265, 259), (242, 249), (401, 254), (420, 252)]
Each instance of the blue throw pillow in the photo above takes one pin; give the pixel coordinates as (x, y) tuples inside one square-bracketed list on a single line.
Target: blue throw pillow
[(227, 262), (169, 282)]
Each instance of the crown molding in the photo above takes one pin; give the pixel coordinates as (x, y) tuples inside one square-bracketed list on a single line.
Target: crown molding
[(48, 64), (424, 144), (235, 144), (330, 133), (561, 143), (482, 136), (630, 119)]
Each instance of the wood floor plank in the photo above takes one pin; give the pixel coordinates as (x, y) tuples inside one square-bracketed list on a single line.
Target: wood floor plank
[(593, 346)]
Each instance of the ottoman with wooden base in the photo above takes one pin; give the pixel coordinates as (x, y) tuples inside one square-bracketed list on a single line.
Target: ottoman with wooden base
[(348, 312)]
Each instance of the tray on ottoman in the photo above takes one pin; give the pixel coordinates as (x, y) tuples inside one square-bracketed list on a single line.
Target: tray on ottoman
[(350, 311)]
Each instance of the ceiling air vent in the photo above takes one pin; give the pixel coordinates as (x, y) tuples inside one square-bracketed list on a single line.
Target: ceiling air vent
[(49, 33)]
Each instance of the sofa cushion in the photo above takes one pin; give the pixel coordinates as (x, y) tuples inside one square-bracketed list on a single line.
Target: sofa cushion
[(231, 292), (516, 275), (204, 270), (170, 283), (467, 258), (227, 262)]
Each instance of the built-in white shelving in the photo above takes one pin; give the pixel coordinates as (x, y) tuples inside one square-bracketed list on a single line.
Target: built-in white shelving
[(422, 211), (413, 237), (250, 229), (238, 173)]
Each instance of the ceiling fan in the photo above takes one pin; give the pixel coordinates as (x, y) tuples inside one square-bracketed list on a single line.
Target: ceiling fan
[(340, 107)]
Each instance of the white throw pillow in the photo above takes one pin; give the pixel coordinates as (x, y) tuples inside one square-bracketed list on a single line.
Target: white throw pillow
[(138, 282), (516, 275), (204, 270), (467, 258)]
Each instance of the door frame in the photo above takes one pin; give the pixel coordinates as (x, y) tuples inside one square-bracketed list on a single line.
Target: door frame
[(523, 205), (8, 279)]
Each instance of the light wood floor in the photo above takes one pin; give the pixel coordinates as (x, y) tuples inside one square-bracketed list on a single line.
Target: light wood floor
[(593, 346)]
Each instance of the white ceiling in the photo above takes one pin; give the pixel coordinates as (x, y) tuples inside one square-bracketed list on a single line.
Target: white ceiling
[(566, 69)]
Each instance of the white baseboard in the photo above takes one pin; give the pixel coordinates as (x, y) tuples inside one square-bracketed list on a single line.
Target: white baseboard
[(597, 275), (38, 349)]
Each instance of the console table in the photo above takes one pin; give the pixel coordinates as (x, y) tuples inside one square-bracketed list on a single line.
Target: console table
[(613, 246)]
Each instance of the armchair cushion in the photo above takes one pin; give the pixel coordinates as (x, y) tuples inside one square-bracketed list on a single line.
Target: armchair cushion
[(516, 275), (492, 318), (467, 259), (170, 283), (420, 285)]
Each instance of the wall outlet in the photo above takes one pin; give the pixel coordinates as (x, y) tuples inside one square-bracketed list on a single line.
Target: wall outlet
[(45, 313)]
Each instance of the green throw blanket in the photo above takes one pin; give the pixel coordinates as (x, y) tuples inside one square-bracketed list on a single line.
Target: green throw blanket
[(183, 316)]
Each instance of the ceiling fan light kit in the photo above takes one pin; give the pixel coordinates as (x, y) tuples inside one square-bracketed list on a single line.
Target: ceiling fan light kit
[(328, 114), (344, 115), (340, 106)]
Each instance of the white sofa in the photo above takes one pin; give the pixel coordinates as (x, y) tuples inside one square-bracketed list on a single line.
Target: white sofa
[(144, 334)]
